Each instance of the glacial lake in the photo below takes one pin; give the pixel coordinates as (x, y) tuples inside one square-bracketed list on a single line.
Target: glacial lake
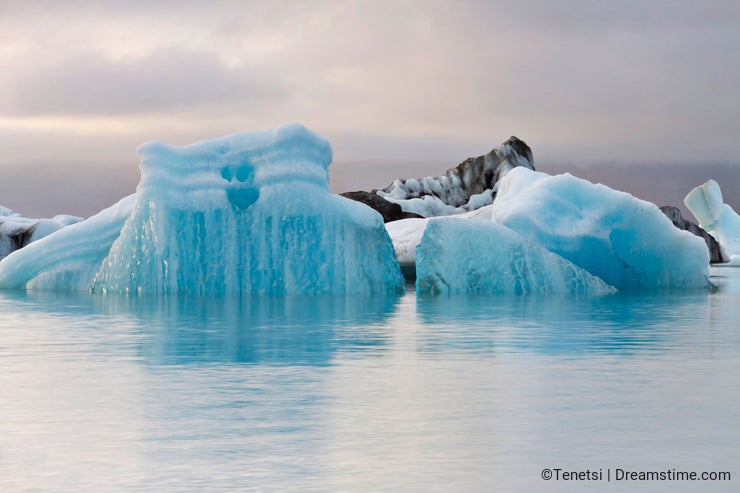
[(358, 394)]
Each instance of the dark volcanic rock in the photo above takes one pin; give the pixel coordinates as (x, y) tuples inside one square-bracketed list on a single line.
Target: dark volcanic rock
[(389, 210), (715, 252)]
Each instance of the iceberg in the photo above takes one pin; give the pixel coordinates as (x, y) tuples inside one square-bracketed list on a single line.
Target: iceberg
[(406, 235), (468, 186), (248, 213), (69, 258), (458, 256), (717, 218), (627, 242), (17, 231)]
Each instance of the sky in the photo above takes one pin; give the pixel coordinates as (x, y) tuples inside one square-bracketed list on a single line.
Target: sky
[(400, 88)]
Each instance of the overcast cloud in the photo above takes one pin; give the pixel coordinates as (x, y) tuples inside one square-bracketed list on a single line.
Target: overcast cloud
[(397, 81)]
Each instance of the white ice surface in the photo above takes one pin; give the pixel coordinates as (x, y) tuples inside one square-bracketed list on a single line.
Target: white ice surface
[(431, 206), (716, 217), (406, 233), (625, 241)]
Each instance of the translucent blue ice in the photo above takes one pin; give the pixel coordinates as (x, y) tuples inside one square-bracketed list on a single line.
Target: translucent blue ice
[(458, 256), (247, 213), (625, 241)]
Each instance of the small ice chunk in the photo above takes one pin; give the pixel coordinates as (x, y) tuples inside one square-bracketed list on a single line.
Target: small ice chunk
[(715, 217)]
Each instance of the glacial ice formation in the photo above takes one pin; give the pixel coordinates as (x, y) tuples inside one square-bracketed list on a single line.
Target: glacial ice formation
[(69, 258), (716, 217), (625, 241), (248, 213), (469, 186), (458, 256), (17, 231)]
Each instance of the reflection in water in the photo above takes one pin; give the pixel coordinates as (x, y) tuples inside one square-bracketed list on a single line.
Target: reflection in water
[(270, 330), (555, 325), (364, 394)]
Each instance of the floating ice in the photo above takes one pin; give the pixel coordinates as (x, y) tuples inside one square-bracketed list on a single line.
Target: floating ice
[(406, 235), (716, 217), (625, 241), (68, 259), (459, 256), (247, 213), (466, 187), (17, 231)]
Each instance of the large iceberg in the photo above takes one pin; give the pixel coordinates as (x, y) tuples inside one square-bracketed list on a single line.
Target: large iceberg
[(247, 213), (716, 217), (625, 241), (458, 256)]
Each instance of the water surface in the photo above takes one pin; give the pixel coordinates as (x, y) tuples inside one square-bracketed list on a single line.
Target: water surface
[(367, 394)]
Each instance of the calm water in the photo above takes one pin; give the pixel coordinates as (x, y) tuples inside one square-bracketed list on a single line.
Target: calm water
[(356, 394)]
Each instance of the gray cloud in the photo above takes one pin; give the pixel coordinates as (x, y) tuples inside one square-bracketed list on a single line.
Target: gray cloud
[(386, 81), (88, 83)]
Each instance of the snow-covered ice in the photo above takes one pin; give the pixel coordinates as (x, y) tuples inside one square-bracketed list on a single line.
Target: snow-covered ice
[(458, 256), (625, 241), (717, 218)]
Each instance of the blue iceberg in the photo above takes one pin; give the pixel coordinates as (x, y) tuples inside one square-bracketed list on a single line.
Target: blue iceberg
[(625, 241), (459, 256), (247, 213)]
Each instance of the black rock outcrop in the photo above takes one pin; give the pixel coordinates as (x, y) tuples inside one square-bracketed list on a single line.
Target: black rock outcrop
[(674, 214)]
